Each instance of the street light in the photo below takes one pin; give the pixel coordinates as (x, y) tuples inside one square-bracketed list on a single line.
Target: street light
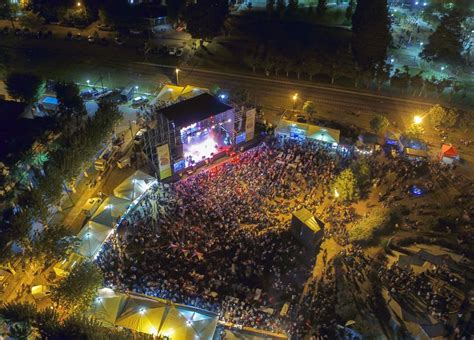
[(295, 98), (78, 4), (336, 193), (177, 76), (417, 120), (88, 82)]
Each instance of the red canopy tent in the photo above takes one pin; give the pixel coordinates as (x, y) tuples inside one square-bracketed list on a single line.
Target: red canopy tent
[(449, 151)]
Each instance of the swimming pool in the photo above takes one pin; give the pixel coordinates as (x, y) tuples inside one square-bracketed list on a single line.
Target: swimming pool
[(50, 101)]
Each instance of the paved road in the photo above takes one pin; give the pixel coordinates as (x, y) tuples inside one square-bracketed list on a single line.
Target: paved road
[(270, 93)]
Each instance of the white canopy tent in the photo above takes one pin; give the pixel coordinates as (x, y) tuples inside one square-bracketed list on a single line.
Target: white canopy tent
[(92, 236), (110, 211), (134, 186)]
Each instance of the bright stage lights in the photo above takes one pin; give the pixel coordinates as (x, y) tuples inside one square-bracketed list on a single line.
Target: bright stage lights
[(202, 150)]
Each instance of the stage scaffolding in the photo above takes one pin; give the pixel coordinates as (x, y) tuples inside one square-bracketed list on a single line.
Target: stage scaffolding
[(160, 131)]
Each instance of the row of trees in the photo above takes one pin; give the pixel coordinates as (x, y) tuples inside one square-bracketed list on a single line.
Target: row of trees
[(341, 66), (25, 321), (46, 173)]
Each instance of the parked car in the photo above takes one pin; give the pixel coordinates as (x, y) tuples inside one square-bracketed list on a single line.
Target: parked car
[(301, 119), (90, 39), (179, 52), (135, 31), (103, 27), (139, 100), (172, 51), (78, 36), (118, 41)]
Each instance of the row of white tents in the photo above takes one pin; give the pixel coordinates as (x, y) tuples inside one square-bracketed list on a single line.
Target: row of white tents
[(103, 222)]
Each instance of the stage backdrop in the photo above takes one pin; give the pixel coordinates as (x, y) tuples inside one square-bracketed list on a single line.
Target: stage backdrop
[(164, 161), (250, 124)]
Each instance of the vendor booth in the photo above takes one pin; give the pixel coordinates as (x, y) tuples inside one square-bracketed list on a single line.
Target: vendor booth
[(303, 131), (154, 316), (307, 229), (91, 237), (134, 186), (110, 211), (448, 154)]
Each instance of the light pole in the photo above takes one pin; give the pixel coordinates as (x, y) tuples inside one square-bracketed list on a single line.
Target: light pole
[(177, 76), (417, 120), (295, 98)]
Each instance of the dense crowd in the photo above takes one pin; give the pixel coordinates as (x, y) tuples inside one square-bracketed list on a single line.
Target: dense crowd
[(221, 239)]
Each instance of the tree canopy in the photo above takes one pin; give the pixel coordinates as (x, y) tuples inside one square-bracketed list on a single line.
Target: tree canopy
[(78, 290), (25, 87), (378, 123), (446, 42), (205, 18), (370, 33), (345, 186), (441, 116)]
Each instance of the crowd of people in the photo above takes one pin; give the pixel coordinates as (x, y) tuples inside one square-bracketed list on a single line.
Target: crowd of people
[(221, 239)]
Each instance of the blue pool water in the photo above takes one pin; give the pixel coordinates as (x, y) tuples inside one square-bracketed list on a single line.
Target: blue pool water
[(50, 100)]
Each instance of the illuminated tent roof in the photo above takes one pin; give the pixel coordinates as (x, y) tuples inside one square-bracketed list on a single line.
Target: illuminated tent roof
[(110, 210), (448, 150), (304, 130), (191, 91), (153, 316), (169, 93), (133, 186), (92, 236), (64, 267)]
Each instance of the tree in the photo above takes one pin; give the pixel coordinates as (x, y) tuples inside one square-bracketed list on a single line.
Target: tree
[(382, 74), (174, 9), (205, 18), (370, 33), (78, 290), (270, 6), (71, 104), (417, 82), (321, 7), (292, 6), (280, 7), (400, 80), (8, 10), (415, 131), (441, 116), (446, 42), (309, 107), (25, 87), (345, 186), (349, 11), (378, 123), (32, 21), (312, 67), (54, 243), (363, 173)]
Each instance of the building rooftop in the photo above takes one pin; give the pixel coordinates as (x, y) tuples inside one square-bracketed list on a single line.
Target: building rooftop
[(194, 110)]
